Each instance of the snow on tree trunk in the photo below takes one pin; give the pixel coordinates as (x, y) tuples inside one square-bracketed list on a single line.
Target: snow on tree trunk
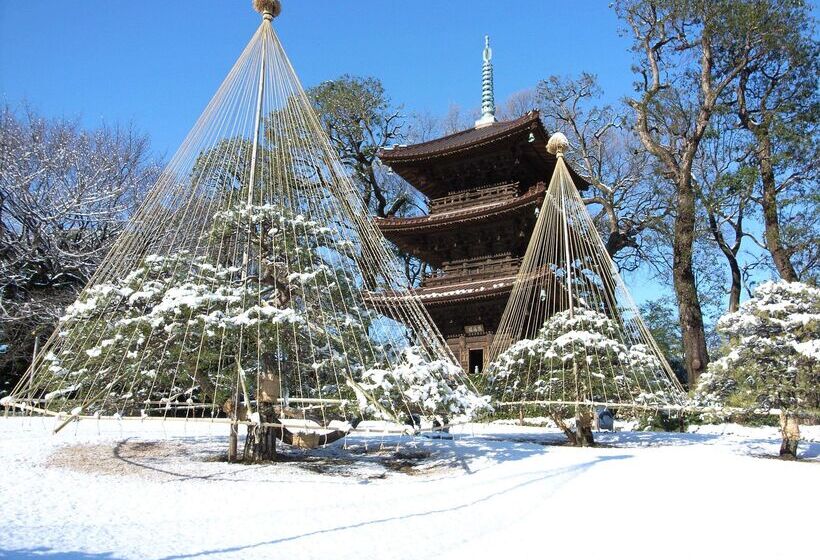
[(260, 444)]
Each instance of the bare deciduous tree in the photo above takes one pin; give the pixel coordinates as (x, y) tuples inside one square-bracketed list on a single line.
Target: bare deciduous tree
[(65, 194), (626, 203), (518, 104)]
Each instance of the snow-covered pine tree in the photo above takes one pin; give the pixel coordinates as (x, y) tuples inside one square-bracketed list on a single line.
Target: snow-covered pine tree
[(578, 357), (185, 312), (250, 276), (582, 342), (190, 308), (773, 357)]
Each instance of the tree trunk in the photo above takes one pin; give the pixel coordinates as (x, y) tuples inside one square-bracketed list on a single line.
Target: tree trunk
[(583, 428), (573, 440), (260, 444), (734, 290), (233, 439), (731, 256), (790, 430), (691, 317), (780, 255)]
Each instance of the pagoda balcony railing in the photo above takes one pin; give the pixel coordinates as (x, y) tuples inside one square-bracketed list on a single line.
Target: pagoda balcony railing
[(481, 195), (496, 266)]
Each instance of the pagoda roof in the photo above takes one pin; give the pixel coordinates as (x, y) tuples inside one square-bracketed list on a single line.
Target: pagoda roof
[(510, 150), (448, 294), (464, 140), (466, 291), (445, 220)]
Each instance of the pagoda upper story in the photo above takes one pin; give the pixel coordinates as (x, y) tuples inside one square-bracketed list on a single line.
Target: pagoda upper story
[(476, 157), (484, 186), (483, 178)]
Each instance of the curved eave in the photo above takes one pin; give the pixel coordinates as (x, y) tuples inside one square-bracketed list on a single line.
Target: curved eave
[(477, 295), (459, 142), (408, 161), (445, 295), (449, 220)]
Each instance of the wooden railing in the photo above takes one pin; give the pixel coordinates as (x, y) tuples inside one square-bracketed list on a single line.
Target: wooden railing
[(481, 195), (494, 266)]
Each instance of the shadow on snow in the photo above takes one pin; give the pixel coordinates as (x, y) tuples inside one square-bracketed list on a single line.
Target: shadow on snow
[(568, 473), (356, 451)]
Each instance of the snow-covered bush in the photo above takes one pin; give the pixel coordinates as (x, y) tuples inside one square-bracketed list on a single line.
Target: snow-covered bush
[(773, 350), (579, 356), (184, 313), (415, 385)]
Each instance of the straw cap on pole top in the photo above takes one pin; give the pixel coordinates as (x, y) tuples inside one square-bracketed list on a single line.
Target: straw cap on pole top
[(268, 8), (557, 144)]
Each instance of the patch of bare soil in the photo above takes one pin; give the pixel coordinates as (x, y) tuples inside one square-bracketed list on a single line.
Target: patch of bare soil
[(175, 460), (366, 464), (127, 457), (408, 461), (785, 458)]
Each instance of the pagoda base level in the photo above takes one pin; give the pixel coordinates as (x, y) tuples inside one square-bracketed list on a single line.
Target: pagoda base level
[(472, 351)]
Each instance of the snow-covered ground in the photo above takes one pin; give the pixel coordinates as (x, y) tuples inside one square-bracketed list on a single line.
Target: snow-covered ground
[(159, 490)]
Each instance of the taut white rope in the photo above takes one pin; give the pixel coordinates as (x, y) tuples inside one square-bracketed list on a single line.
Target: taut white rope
[(571, 334), (247, 279)]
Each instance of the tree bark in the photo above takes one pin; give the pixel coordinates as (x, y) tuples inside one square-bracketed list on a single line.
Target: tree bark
[(573, 440), (583, 428), (768, 201), (260, 444), (790, 430), (691, 317), (731, 256), (734, 290), (233, 438)]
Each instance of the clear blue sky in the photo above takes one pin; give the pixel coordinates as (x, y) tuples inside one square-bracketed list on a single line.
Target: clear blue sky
[(157, 62)]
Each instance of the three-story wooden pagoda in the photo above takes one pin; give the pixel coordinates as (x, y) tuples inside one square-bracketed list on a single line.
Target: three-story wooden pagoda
[(485, 186)]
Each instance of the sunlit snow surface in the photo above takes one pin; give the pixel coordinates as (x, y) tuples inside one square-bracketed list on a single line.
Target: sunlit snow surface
[(157, 490)]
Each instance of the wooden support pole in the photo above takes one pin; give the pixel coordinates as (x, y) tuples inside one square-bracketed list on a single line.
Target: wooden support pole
[(233, 442), (33, 361), (67, 421)]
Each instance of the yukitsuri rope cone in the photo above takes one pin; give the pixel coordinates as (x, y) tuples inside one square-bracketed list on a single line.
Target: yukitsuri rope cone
[(571, 339), (241, 289)]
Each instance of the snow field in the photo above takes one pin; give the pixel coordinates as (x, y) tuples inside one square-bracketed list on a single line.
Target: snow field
[(155, 490)]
